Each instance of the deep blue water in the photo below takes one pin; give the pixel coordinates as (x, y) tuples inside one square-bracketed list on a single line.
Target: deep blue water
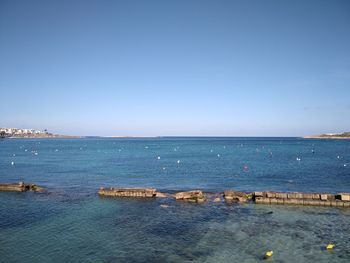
[(71, 223)]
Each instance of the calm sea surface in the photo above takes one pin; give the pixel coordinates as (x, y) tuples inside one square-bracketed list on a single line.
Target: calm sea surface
[(71, 223)]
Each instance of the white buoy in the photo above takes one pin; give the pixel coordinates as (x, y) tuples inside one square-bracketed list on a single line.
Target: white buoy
[(12, 163), (344, 164), (36, 153), (218, 155), (178, 161), (158, 157)]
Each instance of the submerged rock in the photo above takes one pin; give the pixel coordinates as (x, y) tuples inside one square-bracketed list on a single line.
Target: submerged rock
[(217, 200), (161, 195)]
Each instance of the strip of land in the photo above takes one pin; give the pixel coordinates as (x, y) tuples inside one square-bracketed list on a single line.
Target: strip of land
[(344, 135), (30, 133)]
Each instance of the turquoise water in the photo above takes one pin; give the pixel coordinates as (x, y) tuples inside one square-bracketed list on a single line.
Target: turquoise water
[(72, 224)]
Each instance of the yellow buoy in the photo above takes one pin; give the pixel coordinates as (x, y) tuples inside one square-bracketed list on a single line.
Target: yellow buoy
[(268, 254), (330, 246)]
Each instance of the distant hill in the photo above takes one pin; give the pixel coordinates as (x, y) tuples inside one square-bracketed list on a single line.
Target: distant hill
[(344, 135)]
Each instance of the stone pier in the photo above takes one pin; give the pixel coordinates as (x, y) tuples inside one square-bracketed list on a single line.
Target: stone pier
[(308, 199), (195, 196), (234, 196), (271, 198), (127, 192), (20, 187)]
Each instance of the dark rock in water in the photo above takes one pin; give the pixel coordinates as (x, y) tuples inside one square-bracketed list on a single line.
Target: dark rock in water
[(35, 188)]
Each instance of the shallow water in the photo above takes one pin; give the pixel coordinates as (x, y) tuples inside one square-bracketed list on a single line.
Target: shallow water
[(72, 224)]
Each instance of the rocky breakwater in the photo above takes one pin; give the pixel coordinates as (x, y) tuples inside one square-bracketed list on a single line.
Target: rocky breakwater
[(195, 196), (235, 196), (20, 187), (127, 192), (309, 199)]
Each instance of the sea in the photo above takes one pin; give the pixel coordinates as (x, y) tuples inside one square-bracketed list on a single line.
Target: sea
[(71, 223)]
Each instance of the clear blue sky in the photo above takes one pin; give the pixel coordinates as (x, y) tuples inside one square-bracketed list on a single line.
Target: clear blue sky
[(254, 68)]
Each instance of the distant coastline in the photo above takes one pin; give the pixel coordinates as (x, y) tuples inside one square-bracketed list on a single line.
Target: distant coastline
[(342, 136), (53, 136), (16, 133)]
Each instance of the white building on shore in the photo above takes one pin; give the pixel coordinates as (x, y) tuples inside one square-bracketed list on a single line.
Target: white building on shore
[(16, 131)]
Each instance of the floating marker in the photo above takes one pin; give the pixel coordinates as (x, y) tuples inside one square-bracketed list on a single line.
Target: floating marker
[(268, 254), (158, 157), (218, 155), (330, 246), (12, 163), (178, 161)]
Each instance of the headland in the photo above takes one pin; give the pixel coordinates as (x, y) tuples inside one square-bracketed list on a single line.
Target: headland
[(344, 135)]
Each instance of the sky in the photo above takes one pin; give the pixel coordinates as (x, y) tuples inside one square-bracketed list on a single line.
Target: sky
[(175, 68)]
